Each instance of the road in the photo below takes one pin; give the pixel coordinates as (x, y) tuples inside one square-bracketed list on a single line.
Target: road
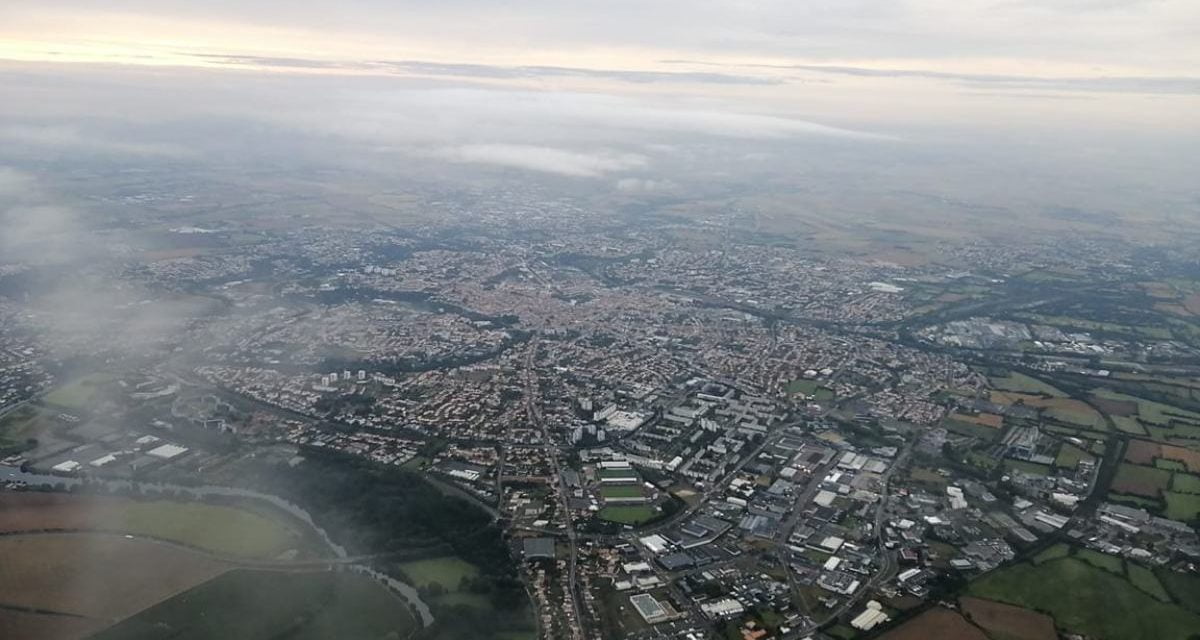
[(534, 414)]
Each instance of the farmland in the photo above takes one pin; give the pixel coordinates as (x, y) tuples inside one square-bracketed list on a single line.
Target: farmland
[(219, 529), (97, 577), (1022, 383), (1139, 480), (989, 420), (22, 624), (1009, 622), (936, 623), (1086, 599), (247, 605), (1182, 506)]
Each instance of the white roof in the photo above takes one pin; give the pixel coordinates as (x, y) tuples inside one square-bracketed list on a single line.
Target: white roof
[(655, 543), (66, 466), (167, 451), (103, 460)]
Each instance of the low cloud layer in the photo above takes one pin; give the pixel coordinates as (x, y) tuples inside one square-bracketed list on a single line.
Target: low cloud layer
[(545, 159)]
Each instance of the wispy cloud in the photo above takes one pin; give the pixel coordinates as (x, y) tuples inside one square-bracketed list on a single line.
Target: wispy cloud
[(545, 159), (73, 138), (1098, 84), (482, 71)]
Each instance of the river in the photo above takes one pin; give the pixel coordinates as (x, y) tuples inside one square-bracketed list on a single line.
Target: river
[(407, 591)]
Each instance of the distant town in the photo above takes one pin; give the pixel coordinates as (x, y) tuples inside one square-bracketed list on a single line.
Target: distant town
[(679, 429)]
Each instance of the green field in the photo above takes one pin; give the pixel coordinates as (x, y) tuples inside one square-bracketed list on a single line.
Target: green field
[(1069, 456), (447, 571), (634, 515), (251, 605), (622, 491), (811, 388), (1184, 507), (1185, 588), (1183, 482), (1027, 467), (971, 429), (216, 528), (1170, 465), (1085, 599), (1059, 550), (1111, 564), (1022, 383), (1144, 579), (18, 427), (1151, 412), (79, 394), (1141, 480)]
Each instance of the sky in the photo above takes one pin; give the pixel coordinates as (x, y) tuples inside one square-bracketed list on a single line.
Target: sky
[(1033, 95)]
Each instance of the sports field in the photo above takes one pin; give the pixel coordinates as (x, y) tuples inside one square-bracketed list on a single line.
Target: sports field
[(628, 514)]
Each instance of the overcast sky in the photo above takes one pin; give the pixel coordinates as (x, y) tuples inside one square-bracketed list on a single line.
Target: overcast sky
[(620, 89)]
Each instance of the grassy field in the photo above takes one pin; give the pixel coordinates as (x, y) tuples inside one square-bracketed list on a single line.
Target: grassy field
[(1185, 588), (1170, 465), (78, 394), (217, 528), (98, 576), (1027, 467), (1059, 550), (1111, 564), (628, 514), (1086, 599), (1150, 411), (622, 491), (1182, 506), (811, 388), (250, 605), (24, 423), (1069, 456), (1141, 480), (1022, 383), (1144, 579), (447, 571), (971, 429), (1184, 483)]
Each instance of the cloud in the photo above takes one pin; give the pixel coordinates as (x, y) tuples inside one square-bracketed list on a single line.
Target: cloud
[(483, 71), (1115, 84), (13, 183), (545, 159), (644, 185), (71, 137)]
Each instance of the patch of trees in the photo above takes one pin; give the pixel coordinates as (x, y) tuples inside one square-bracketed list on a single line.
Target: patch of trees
[(371, 508)]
